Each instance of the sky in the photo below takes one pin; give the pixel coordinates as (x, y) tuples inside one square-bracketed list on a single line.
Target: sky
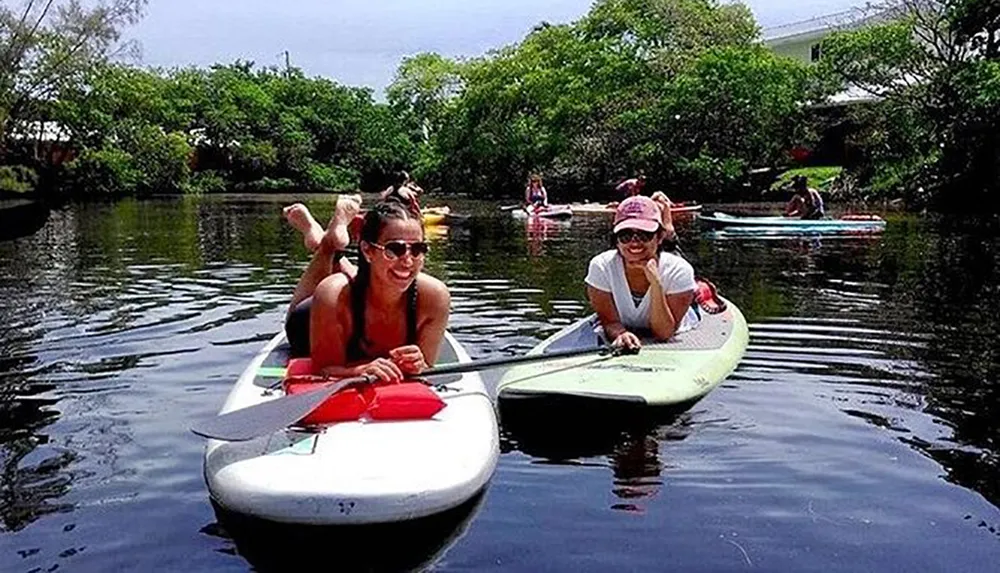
[(361, 42)]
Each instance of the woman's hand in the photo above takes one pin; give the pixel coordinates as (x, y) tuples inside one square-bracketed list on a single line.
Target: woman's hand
[(409, 359), (652, 272), (382, 369), (627, 340)]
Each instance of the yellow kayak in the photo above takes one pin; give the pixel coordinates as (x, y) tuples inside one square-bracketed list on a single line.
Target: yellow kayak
[(435, 215)]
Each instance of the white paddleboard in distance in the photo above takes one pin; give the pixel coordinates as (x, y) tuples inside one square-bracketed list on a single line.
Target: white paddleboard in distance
[(356, 472), (550, 212)]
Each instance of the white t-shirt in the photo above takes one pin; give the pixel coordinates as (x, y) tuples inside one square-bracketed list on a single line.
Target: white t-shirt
[(607, 273)]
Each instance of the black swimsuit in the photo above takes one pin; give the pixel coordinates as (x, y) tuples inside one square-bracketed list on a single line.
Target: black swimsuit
[(297, 329)]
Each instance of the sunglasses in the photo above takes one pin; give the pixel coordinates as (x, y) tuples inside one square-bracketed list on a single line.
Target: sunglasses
[(395, 249), (629, 235)]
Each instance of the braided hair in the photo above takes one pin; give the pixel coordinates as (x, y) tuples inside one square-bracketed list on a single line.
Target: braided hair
[(375, 220)]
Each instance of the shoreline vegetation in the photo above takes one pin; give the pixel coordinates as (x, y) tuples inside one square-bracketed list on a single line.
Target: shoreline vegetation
[(681, 90)]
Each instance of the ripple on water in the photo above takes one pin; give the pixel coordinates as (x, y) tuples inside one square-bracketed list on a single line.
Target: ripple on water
[(843, 442)]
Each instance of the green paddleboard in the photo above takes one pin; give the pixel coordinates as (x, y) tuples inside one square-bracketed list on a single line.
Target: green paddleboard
[(678, 372)]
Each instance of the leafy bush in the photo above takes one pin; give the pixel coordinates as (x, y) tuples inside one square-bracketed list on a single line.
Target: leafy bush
[(163, 158), (821, 178), (711, 176), (144, 160), (330, 178), (108, 171), (253, 159), (17, 179), (206, 182)]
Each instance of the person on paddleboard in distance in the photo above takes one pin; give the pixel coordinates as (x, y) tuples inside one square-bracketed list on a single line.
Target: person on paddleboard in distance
[(404, 188), (535, 196), (383, 317), (631, 187), (807, 203), (637, 288)]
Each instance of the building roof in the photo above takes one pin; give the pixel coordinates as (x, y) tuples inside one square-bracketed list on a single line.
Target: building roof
[(820, 26)]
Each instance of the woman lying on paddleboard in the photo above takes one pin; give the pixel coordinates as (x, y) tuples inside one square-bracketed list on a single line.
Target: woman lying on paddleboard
[(637, 287), (384, 317)]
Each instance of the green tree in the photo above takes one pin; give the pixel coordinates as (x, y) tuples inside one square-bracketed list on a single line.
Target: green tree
[(49, 45), (977, 23), (671, 32), (731, 109), (253, 128), (679, 88), (423, 86), (933, 135)]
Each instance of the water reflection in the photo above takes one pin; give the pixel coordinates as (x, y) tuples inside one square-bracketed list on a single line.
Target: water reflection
[(406, 546), (540, 230), (32, 477), (628, 437), (21, 218), (122, 323), (919, 333), (954, 296)]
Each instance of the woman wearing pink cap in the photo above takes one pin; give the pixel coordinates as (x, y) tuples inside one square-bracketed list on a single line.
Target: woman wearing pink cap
[(636, 288)]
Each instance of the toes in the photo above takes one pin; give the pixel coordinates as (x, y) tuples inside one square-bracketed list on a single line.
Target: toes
[(293, 210)]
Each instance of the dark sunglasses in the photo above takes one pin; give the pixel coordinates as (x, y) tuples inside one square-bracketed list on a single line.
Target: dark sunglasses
[(629, 235), (396, 249)]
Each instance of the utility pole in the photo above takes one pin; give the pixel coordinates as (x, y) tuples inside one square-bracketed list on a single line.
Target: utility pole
[(288, 64)]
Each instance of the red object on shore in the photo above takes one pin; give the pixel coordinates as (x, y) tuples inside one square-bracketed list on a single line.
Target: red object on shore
[(800, 153)]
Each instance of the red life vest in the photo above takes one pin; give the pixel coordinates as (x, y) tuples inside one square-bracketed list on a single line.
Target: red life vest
[(407, 400)]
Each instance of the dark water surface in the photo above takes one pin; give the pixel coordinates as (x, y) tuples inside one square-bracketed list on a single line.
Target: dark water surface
[(860, 432)]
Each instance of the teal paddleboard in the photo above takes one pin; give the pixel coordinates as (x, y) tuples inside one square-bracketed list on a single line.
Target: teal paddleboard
[(856, 223)]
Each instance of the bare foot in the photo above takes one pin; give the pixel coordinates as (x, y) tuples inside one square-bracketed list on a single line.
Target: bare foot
[(299, 217), (337, 236)]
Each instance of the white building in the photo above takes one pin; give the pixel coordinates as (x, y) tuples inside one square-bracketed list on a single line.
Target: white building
[(803, 41)]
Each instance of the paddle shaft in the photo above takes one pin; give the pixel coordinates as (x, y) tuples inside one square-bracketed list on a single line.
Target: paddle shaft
[(462, 367), (273, 415)]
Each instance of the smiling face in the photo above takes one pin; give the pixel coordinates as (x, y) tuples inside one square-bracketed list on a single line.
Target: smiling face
[(390, 271), (636, 247)]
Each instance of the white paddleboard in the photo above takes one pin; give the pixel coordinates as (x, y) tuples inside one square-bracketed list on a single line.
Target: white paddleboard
[(361, 471)]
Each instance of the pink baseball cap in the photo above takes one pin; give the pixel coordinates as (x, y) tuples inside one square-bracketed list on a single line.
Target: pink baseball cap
[(638, 212)]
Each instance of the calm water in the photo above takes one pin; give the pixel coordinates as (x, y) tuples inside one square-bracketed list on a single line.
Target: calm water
[(860, 432)]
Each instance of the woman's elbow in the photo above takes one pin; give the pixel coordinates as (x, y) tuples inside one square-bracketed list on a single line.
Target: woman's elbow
[(663, 330), (664, 334)]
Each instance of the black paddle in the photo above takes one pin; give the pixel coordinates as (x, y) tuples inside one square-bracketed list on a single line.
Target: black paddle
[(268, 417)]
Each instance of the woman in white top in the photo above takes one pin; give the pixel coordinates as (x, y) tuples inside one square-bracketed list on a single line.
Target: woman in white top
[(637, 288)]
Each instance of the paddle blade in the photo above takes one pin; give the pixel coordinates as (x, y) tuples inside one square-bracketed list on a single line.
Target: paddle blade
[(269, 417)]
